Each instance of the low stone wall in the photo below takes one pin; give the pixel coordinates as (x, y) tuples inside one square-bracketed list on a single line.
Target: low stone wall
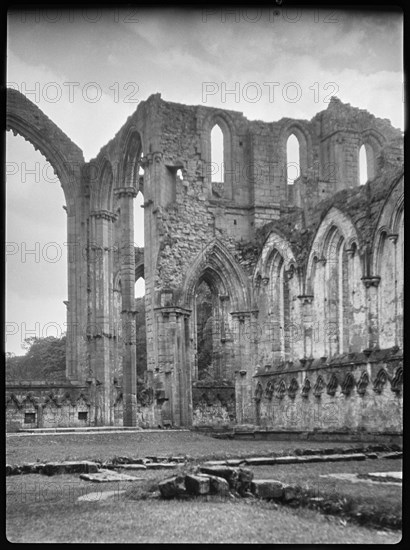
[(38, 404), (213, 405), (344, 396)]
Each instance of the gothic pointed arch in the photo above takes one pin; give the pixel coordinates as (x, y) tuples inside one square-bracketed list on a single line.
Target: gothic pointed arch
[(333, 219), (227, 127), (130, 157), (300, 129), (66, 158), (217, 266)]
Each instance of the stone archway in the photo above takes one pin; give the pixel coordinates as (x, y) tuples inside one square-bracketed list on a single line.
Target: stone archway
[(230, 333), (67, 160)]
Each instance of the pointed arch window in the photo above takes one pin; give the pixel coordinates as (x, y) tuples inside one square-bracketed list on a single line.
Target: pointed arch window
[(217, 155)]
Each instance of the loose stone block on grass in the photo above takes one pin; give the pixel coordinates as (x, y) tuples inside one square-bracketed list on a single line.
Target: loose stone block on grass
[(58, 468), (197, 485), (217, 485), (172, 487), (161, 465), (106, 476), (130, 467), (267, 488)]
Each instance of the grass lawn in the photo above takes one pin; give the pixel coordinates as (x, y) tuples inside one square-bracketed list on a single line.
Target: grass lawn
[(47, 510), (29, 448), (381, 501)]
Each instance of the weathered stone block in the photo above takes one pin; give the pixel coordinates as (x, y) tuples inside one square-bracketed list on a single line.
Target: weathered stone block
[(289, 493), (106, 476), (197, 485), (228, 473), (245, 478), (218, 485), (267, 488), (393, 455), (12, 470), (161, 465), (32, 468), (261, 461), (59, 468), (172, 487), (131, 466)]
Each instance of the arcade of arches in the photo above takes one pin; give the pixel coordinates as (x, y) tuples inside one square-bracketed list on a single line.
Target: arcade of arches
[(265, 303)]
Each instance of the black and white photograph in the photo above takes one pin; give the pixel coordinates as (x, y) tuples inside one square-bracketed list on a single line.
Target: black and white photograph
[(204, 256)]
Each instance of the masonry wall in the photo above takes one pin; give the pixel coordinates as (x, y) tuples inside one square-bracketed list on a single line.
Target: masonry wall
[(298, 273)]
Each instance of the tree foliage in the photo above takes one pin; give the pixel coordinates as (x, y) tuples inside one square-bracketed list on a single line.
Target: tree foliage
[(44, 360)]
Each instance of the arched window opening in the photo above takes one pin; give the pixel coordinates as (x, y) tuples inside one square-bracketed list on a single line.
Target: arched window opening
[(139, 220), (139, 288), (36, 250), (141, 174), (139, 239), (279, 308), (363, 169), (205, 367), (366, 163), (337, 288), (140, 168), (292, 159), (217, 155), (140, 327)]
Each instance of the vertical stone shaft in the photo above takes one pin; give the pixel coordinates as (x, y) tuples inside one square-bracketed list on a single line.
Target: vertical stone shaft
[(126, 197), (393, 238), (371, 284)]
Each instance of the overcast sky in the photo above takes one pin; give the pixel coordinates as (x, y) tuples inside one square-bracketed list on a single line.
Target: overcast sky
[(280, 63)]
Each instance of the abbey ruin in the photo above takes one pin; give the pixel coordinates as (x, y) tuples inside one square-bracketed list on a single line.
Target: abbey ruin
[(305, 281)]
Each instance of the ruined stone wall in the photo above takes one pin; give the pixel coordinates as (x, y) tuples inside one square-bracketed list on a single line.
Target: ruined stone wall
[(298, 272)]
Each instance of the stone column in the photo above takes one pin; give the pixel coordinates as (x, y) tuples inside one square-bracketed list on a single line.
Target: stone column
[(125, 197), (307, 322), (371, 283), (393, 238), (243, 368), (100, 336), (322, 330), (223, 372), (77, 312)]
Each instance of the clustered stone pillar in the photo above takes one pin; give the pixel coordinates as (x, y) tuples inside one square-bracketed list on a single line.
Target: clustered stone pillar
[(393, 238), (307, 323), (371, 283), (125, 196)]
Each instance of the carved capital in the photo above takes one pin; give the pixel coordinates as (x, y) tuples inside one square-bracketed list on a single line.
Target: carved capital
[(265, 280), (104, 214), (130, 192), (371, 281), (306, 298), (151, 158), (393, 237)]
